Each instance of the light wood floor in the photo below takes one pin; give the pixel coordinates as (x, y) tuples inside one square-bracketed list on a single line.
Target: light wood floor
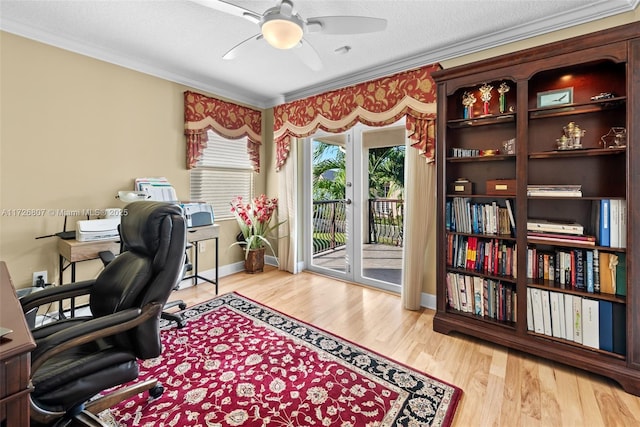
[(501, 387)]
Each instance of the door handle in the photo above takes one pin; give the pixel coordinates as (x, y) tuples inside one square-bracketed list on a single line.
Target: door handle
[(347, 201)]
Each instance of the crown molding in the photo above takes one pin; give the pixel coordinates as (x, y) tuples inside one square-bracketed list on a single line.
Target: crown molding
[(83, 48), (588, 13), (582, 15)]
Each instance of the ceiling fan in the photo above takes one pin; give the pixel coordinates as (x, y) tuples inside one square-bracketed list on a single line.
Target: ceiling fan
[(283, 28)]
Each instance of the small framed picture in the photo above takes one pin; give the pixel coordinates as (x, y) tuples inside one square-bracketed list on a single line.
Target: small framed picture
[(552, 98)]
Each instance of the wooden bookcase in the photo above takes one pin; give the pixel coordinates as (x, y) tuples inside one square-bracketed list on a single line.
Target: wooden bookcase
[(603, 62)]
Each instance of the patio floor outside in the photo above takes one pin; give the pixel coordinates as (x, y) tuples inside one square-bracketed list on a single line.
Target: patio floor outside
[(380, 262)]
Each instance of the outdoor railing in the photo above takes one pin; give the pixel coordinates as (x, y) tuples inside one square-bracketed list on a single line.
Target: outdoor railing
[(386, 218), (386, 221), (329, 225)]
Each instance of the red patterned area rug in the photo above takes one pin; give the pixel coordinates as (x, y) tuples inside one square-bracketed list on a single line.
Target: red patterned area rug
[(240, 363)]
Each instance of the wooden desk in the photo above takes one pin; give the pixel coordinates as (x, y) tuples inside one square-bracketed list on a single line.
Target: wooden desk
[(74, 251), (15, 356), (196, 235)]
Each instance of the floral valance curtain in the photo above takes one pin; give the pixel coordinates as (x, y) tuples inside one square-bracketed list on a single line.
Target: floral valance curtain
[(231, 121), (375, 103)]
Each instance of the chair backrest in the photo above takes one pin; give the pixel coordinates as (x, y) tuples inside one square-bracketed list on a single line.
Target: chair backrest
[(154, 234)]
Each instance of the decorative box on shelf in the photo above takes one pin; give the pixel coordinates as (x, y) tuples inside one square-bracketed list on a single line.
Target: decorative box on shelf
[(501, 187), (461, 186)]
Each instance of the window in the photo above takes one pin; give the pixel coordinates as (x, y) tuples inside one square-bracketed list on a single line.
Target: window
[(224, 172)]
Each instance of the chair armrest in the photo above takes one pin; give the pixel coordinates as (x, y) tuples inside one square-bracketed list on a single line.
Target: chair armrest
[(55, 293), (91, 330)]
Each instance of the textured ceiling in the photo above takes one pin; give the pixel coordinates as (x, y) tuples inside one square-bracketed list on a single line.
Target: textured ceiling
[(184, 41)]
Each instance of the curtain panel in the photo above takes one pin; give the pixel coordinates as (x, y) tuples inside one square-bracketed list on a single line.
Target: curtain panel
[(229, 120), (374, 103)]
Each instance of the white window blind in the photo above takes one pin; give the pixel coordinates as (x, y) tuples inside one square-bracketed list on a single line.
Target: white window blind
[(224, 172)]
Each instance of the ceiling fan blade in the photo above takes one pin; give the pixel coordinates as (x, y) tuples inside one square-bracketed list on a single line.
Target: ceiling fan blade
[(243, 45), (308, 55), (345, 24), (231, 9)]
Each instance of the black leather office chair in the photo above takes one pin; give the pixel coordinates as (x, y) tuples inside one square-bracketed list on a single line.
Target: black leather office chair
[(108, 256), (78, 358)]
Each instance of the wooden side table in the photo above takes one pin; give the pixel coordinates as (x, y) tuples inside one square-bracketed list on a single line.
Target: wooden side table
[(196, 235)]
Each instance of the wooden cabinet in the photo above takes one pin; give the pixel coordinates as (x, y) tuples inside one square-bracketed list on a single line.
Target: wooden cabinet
[(542, 117), (15, 357)]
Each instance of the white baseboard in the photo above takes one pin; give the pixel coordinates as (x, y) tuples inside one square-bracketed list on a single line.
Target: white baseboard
[(426, 300)]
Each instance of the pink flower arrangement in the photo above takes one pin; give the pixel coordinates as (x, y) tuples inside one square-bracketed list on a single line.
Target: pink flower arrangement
[(254, 219)]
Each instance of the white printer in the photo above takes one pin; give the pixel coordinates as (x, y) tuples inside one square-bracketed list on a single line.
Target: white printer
[(97, 229), (197, 214)]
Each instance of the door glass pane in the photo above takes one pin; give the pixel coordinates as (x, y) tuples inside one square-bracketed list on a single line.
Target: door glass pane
[(383, 235), (329, 236)]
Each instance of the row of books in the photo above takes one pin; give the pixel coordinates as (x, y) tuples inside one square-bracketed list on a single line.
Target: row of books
[(482, 297), (592, 323), (554, 190), (610, 222), (485, 255), (592, 271), (465, 152), (481, 218)]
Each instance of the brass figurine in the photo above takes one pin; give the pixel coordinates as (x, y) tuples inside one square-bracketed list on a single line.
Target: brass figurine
[(504, 88), (485, 95), (468, 99)]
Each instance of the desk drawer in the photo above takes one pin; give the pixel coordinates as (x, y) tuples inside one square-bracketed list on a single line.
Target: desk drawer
[(74, 251), (206, 232)]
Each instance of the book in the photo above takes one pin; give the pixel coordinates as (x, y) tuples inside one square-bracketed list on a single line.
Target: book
[(621, 274), (605, 313), (554, 302), (604, 224), (577, 319), (589, 271), (554, 226), (590, 241), (619, 328), (546, 312), (529, 311), (555, 187), (596, 271), (607, 275), (580, 273), (478, 296), (568, 237), (553, 193), (554, 190), (590, 323), (512, 221), (538, 319), (561, 313), (568, 316), (614, 223), (623, 223)]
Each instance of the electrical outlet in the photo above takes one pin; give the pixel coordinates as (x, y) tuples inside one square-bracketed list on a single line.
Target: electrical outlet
[(201, 247), (37, 275)]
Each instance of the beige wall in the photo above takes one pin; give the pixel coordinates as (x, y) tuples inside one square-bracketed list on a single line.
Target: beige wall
[(74, 131)]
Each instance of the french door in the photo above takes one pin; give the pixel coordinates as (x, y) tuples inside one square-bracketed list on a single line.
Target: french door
[(350, 231)]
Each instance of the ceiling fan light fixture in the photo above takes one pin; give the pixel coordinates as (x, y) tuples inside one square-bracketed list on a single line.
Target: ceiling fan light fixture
[(281, 32)]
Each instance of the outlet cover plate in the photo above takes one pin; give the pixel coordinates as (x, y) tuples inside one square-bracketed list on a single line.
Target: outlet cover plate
[(37, 274)]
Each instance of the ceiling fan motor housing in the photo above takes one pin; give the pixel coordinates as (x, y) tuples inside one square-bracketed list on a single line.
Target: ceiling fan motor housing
[(282, 28)]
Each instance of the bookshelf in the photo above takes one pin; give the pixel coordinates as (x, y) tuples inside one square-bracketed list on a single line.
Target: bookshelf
[(573, 109)]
